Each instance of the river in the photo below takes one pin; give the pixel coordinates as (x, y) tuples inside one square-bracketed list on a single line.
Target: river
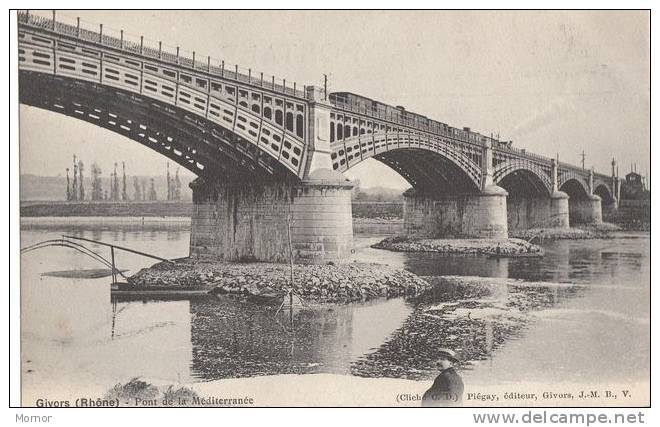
[(581, 313)]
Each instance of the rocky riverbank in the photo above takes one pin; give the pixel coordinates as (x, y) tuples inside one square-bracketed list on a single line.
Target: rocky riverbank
[(497, 247), (599, 231), (269, 282)]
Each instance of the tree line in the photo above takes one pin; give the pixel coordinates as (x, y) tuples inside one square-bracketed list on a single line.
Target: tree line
[(118, 191)]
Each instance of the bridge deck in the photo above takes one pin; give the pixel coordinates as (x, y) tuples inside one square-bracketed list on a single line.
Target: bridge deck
[(373, 117)]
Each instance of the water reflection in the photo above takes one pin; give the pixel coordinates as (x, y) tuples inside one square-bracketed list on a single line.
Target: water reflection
[(474, 317), (584, 261), (233, 338), (563, 305)]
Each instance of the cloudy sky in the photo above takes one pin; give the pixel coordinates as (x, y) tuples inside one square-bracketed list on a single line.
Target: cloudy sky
[(554, 82)]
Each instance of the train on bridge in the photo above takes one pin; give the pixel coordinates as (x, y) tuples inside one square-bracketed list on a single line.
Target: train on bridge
[(362, 104)]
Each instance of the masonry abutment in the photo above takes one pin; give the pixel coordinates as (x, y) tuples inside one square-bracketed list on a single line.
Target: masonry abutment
[(609, 208), (538, 212), (478, 215), (250, 221), (585, 210)]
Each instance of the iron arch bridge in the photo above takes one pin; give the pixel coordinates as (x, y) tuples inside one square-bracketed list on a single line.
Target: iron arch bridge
[(220, 122), (434, 157), (212, 121)]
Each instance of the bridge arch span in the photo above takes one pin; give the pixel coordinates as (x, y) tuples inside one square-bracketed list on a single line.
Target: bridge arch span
[(209, 152), (608, 201), (583, 206), (428, 172), (575, 188), (603, 191), (531, 203), (428, 165), (522, 181)]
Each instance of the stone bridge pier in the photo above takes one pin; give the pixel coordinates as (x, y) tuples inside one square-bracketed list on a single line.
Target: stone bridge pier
[(586, 211), (610, 195), (538, 212), (480, 214), (584, 207), (536, 209), (255, 221)]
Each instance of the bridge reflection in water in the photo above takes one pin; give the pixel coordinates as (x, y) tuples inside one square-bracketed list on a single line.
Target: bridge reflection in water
[(232, 338), (72, 331), (236, 339)]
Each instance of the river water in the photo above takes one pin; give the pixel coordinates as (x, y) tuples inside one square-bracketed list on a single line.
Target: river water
[(581, 313)]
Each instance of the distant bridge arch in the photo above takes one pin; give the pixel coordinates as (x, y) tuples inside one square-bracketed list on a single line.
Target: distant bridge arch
[(428, 163), (604, 192), (428, 171), (575, 188), (522, 179)]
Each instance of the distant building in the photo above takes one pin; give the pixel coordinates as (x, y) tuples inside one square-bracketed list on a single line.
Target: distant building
[(634, 187), (633, 179)]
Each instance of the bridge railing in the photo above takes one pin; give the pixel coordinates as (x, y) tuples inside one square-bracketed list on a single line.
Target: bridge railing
[(579, 170), (425, 124), (429, 125), (521, 152), (391, 118), (118, 39)]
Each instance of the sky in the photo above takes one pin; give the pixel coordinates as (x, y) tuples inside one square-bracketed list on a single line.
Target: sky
[(555, 82)]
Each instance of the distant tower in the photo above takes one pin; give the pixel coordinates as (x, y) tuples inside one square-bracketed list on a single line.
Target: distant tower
[(68, 186), (144, 189), (124, 196)]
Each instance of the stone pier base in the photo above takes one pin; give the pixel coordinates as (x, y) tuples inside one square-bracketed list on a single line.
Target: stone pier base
[(585, 211), (481, 215), (249, 222), (538, 212), (610, 208)]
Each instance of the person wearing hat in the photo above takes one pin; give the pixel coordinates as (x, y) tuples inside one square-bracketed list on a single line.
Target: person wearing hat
[(447, 389)]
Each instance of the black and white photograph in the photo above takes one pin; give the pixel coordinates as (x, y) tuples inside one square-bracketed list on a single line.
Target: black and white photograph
[(374, 208)]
